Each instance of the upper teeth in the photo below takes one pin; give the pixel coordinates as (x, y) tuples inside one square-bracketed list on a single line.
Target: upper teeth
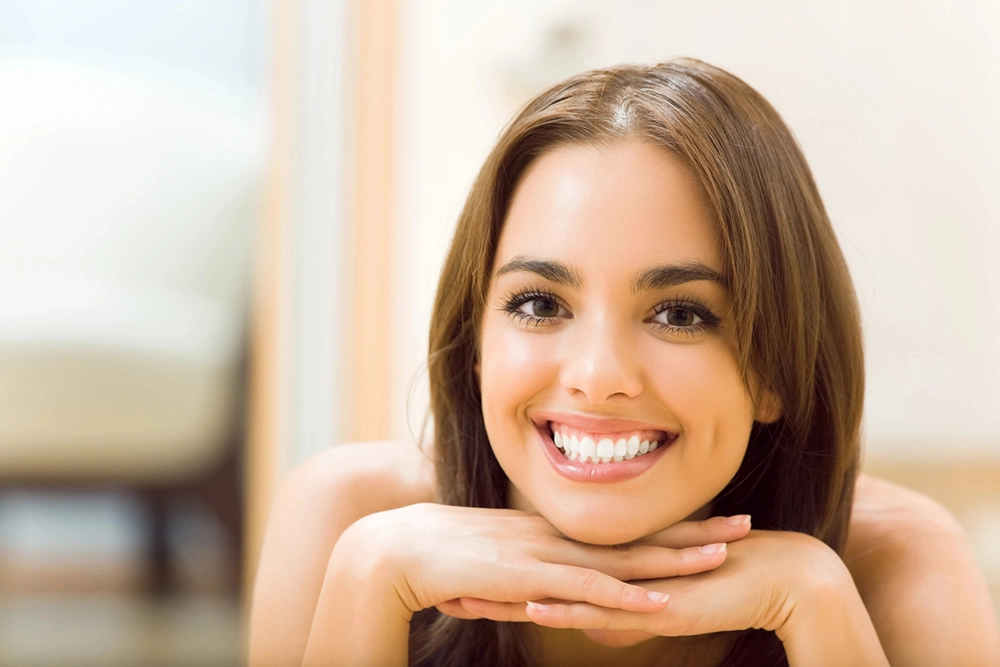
[(604, 450)]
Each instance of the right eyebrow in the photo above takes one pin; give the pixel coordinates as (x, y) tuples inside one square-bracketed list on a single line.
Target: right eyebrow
[(551, 270)]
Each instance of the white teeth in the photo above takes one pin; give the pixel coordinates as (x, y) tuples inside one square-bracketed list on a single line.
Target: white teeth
[(620, 449), (606, 450)]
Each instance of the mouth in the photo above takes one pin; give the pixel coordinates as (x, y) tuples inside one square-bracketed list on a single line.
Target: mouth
[(585, 448), (602, 447)]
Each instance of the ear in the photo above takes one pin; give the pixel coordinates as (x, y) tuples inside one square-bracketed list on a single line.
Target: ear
[(769, 408)]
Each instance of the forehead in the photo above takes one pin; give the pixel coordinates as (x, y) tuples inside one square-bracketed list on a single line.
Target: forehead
[(628, 203)]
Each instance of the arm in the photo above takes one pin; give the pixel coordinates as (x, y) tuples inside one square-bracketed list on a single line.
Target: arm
[(919, 579), (824, 622), (907, 593), (338, 584), (315, 504), (787, 582), (361, 619)]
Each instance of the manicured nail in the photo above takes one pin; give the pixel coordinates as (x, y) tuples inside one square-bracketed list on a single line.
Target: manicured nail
[(712, 549), (738, 520), (538, 606), (657, 597)]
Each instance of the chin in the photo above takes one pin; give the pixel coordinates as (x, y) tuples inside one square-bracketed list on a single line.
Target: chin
[(603, 531)]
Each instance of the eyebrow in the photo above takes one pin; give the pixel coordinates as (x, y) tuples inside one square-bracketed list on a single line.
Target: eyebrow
[(552, 270), (669, 275), (657, 277)]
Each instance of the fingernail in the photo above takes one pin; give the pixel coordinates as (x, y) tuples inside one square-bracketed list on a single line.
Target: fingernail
[(738, 520), (657, 597), (538, 606), (712, 549)]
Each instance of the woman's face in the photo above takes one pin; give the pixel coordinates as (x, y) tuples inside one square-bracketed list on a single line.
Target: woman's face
[(606, 335)]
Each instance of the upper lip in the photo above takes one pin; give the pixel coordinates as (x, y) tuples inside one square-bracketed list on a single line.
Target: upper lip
[(597, 424)]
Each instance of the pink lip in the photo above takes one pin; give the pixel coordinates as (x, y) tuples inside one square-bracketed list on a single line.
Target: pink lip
[(578, 471), (597, 424)]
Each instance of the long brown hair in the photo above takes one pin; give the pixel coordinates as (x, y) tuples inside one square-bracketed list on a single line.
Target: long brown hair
[(794, 308)]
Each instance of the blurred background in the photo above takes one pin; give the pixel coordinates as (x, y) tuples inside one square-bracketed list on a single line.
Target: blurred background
[(222, 224)]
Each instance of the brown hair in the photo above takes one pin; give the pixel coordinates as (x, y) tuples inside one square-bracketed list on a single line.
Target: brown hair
[(794, 308)]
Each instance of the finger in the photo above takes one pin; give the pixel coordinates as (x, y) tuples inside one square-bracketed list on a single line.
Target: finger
[(696, 533), (636, 562), (584, 616), (508, 612), (587, 585), (456, 609)]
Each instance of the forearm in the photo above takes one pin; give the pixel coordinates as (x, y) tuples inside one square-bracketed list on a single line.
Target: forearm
[(831, 627), (360, 620)]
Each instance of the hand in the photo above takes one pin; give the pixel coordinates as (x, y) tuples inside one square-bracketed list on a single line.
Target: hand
[(437, 554), (758, 586)]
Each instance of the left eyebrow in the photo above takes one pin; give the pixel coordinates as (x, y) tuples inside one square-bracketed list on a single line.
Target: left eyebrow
[(671, 275)]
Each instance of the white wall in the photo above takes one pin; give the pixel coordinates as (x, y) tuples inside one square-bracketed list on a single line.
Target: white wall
[(894, 104)]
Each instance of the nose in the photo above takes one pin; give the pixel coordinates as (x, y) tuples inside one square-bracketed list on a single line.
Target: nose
[(601, 362)]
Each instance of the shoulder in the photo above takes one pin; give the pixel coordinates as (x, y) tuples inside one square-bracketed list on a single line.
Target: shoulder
[(315, 504), (918, 576), (361, 478)]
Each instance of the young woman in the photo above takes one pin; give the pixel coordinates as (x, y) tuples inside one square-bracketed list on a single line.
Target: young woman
[(646, 374)]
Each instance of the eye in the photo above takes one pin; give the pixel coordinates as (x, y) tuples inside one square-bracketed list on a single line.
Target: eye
[(535, 307), (687, 316), (541, 308), (677, 316)]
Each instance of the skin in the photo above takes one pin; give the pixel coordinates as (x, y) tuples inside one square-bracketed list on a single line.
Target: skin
[(608, 216), (343, 569)]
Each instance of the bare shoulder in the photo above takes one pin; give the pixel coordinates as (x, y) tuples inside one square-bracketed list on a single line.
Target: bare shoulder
[(918, 576), (315, 503), (362, 478)]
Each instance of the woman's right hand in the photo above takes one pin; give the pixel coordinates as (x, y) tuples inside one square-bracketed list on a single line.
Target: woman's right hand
[(401, 561)]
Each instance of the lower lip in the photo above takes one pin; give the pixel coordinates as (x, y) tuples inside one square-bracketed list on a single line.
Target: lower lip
[(615, 471)]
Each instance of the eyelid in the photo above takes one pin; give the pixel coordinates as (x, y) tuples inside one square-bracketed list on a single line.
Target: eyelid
[(513, 301), (709, 320)]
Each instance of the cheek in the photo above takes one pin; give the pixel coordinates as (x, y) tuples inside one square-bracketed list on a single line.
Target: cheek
[(702, 385), (704, 375), (514, 366)]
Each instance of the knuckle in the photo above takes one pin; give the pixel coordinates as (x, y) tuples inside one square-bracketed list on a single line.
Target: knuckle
[(590, 580)]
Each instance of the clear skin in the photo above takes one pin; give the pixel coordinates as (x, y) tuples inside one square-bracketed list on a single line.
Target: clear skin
[(344, 568), (605, 349)]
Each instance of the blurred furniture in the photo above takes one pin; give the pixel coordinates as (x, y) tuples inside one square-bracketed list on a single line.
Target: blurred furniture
[(127, 210)]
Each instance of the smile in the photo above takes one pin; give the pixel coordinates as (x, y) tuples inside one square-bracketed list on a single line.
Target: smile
[(585, 449), (578, 445)]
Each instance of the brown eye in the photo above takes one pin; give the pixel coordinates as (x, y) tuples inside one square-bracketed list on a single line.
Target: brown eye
[(680, 317), (541, 308)]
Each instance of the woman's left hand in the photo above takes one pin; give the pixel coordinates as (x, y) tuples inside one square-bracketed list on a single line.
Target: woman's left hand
[(787, 582)]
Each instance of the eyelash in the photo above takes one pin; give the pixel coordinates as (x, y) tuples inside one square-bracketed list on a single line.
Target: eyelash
[(709, 320), (513, 302)]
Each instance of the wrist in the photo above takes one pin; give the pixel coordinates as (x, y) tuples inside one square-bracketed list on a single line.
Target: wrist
[(824, 621), (367, 559), (361, 619)]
